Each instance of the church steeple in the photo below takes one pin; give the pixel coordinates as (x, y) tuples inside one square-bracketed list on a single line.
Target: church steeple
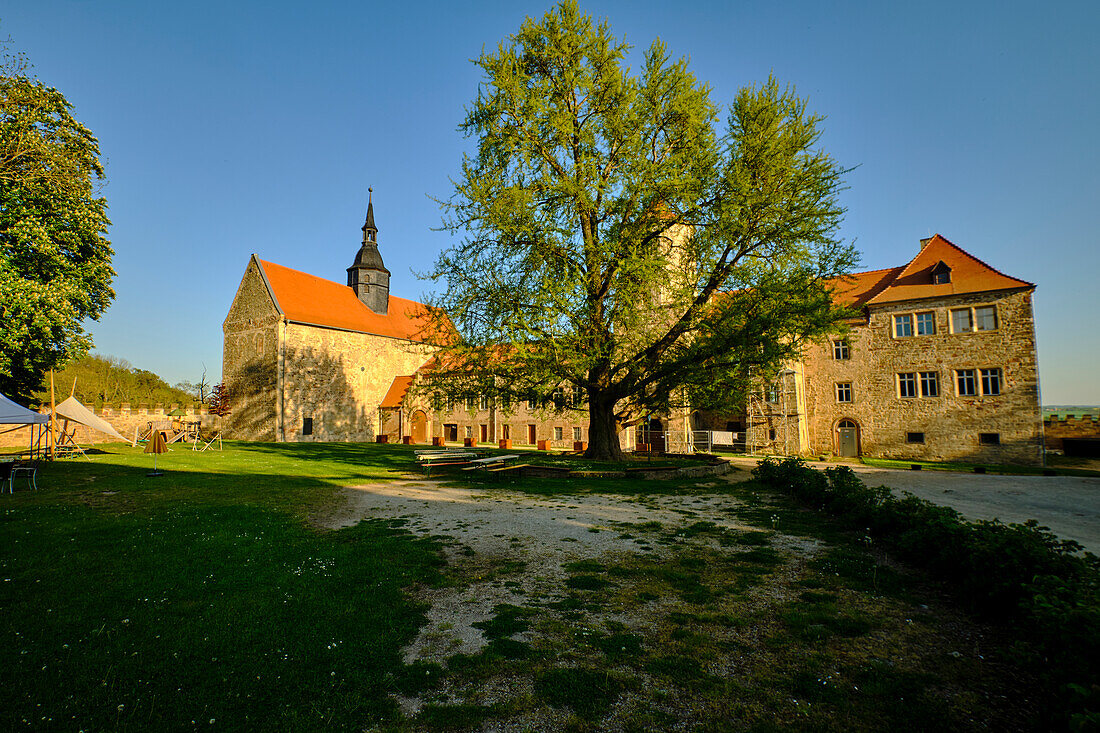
[(370, 231), (368, 275)]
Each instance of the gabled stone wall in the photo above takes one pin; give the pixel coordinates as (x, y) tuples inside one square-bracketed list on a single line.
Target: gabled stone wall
[(950, 423), (249, 359)]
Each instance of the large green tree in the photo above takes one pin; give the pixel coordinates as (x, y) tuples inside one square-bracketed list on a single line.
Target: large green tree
[(614, 237), (55, 261)]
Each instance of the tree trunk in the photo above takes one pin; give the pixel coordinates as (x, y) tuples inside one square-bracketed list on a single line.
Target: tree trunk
[(603, 437)]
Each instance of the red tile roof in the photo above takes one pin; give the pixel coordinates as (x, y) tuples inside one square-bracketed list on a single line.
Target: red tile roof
[(914, 280), (306, 298), (398, 390)]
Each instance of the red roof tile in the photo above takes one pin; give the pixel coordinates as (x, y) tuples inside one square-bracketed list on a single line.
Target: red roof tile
[(306, 298), (398, 390), (968, 275), (914, 280)]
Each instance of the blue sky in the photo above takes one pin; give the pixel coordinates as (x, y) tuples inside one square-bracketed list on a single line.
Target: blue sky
[(230, 128)]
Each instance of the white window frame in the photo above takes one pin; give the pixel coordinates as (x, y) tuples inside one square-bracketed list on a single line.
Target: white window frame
[(974, 380), (900, 318), (840, 390), (923, 378), (912, 378), (917, 320), (842, 350)]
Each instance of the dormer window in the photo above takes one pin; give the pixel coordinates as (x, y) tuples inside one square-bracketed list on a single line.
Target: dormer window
[(941, 274)]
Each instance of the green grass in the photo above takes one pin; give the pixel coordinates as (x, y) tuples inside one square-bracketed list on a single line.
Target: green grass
[(138, 603), (211, 594), (992, 468)]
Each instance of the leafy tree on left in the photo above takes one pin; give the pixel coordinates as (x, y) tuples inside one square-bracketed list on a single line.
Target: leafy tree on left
[(55, 260)]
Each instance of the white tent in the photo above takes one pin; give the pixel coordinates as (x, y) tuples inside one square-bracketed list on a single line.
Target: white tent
[(71, 409), (14, 414)]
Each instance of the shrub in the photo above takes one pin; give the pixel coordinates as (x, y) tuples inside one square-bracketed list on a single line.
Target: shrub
[(1018, 574)]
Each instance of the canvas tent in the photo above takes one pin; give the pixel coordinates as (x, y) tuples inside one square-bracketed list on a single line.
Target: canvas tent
[(15, 414), (72, 409), (12, 413)]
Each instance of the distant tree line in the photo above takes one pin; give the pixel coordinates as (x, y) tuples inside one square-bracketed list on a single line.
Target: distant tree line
[(102, 379)]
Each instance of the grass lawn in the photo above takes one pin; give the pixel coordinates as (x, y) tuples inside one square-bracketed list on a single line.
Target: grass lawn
[(203, 596), (210, 597)]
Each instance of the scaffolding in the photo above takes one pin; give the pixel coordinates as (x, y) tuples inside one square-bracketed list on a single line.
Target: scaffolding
[(763, 412)]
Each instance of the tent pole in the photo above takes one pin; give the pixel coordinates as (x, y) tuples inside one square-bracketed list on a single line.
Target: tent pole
[(53, 423)]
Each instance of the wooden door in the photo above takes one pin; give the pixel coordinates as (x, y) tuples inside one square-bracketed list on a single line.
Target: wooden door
[(848, 439), (419, 427)]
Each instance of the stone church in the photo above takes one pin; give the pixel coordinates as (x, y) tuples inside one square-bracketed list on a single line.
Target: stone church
[(940, 364)]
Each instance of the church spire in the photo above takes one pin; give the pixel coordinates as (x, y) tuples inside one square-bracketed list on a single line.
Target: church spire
[(370, 231), (368, 275)]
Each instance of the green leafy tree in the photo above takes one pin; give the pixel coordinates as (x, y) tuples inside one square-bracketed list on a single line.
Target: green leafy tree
[(618, 240), (55, 262)]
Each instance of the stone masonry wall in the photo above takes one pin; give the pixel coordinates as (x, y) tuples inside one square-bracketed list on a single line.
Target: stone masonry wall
[(1056, 429), (950, 423), (338, 379), (123, 418), (249, 359)]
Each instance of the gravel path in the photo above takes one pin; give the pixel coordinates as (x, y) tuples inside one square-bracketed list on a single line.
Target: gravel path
[(1068, 505)]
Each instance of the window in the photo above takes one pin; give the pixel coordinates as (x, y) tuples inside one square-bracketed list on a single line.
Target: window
[(576, 398), (966, 382), (841, 350), (929, 384), (844, 392), (903, 326), (483, 402), (926, 324), (771, 434), (914, 437), (941, 278), (961, 321), (469, 404), (559, 398), (557, 434), (991, 381), (307, 426), (772, 395), (907, 385), (985, 318), (532, 405), (469, 431), (989, 438), (576, 434)]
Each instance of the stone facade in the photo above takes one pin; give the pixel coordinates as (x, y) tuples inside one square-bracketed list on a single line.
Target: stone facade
[(250, 357), (309, 359), (949, 424), (1057, 429), (337, 380)]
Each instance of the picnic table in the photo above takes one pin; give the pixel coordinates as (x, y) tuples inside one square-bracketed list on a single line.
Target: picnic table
[(445, 458), (489, 462)]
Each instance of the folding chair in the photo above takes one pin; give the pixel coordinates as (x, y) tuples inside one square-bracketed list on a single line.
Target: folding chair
[(28, 467)]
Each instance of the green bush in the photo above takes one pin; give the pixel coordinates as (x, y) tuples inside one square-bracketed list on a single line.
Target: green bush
[(1021, 575)]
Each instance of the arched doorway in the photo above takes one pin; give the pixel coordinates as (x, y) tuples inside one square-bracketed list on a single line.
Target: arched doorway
[(847, 438), (419, 427)]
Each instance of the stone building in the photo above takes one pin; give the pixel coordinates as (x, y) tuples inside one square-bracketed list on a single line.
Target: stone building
[(940, 365)]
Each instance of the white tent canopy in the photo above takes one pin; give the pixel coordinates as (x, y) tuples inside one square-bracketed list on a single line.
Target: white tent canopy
[(14, 414), (71, 409)]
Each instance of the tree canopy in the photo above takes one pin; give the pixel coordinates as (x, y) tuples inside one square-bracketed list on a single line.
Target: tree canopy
[(55, 260), (616, 238), (98, 379)]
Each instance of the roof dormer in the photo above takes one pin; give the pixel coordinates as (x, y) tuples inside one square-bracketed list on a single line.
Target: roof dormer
[(941, 273)]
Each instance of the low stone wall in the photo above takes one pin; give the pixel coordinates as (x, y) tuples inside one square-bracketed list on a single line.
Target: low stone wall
[(716, 468), (125, 419), (1070, 426)]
